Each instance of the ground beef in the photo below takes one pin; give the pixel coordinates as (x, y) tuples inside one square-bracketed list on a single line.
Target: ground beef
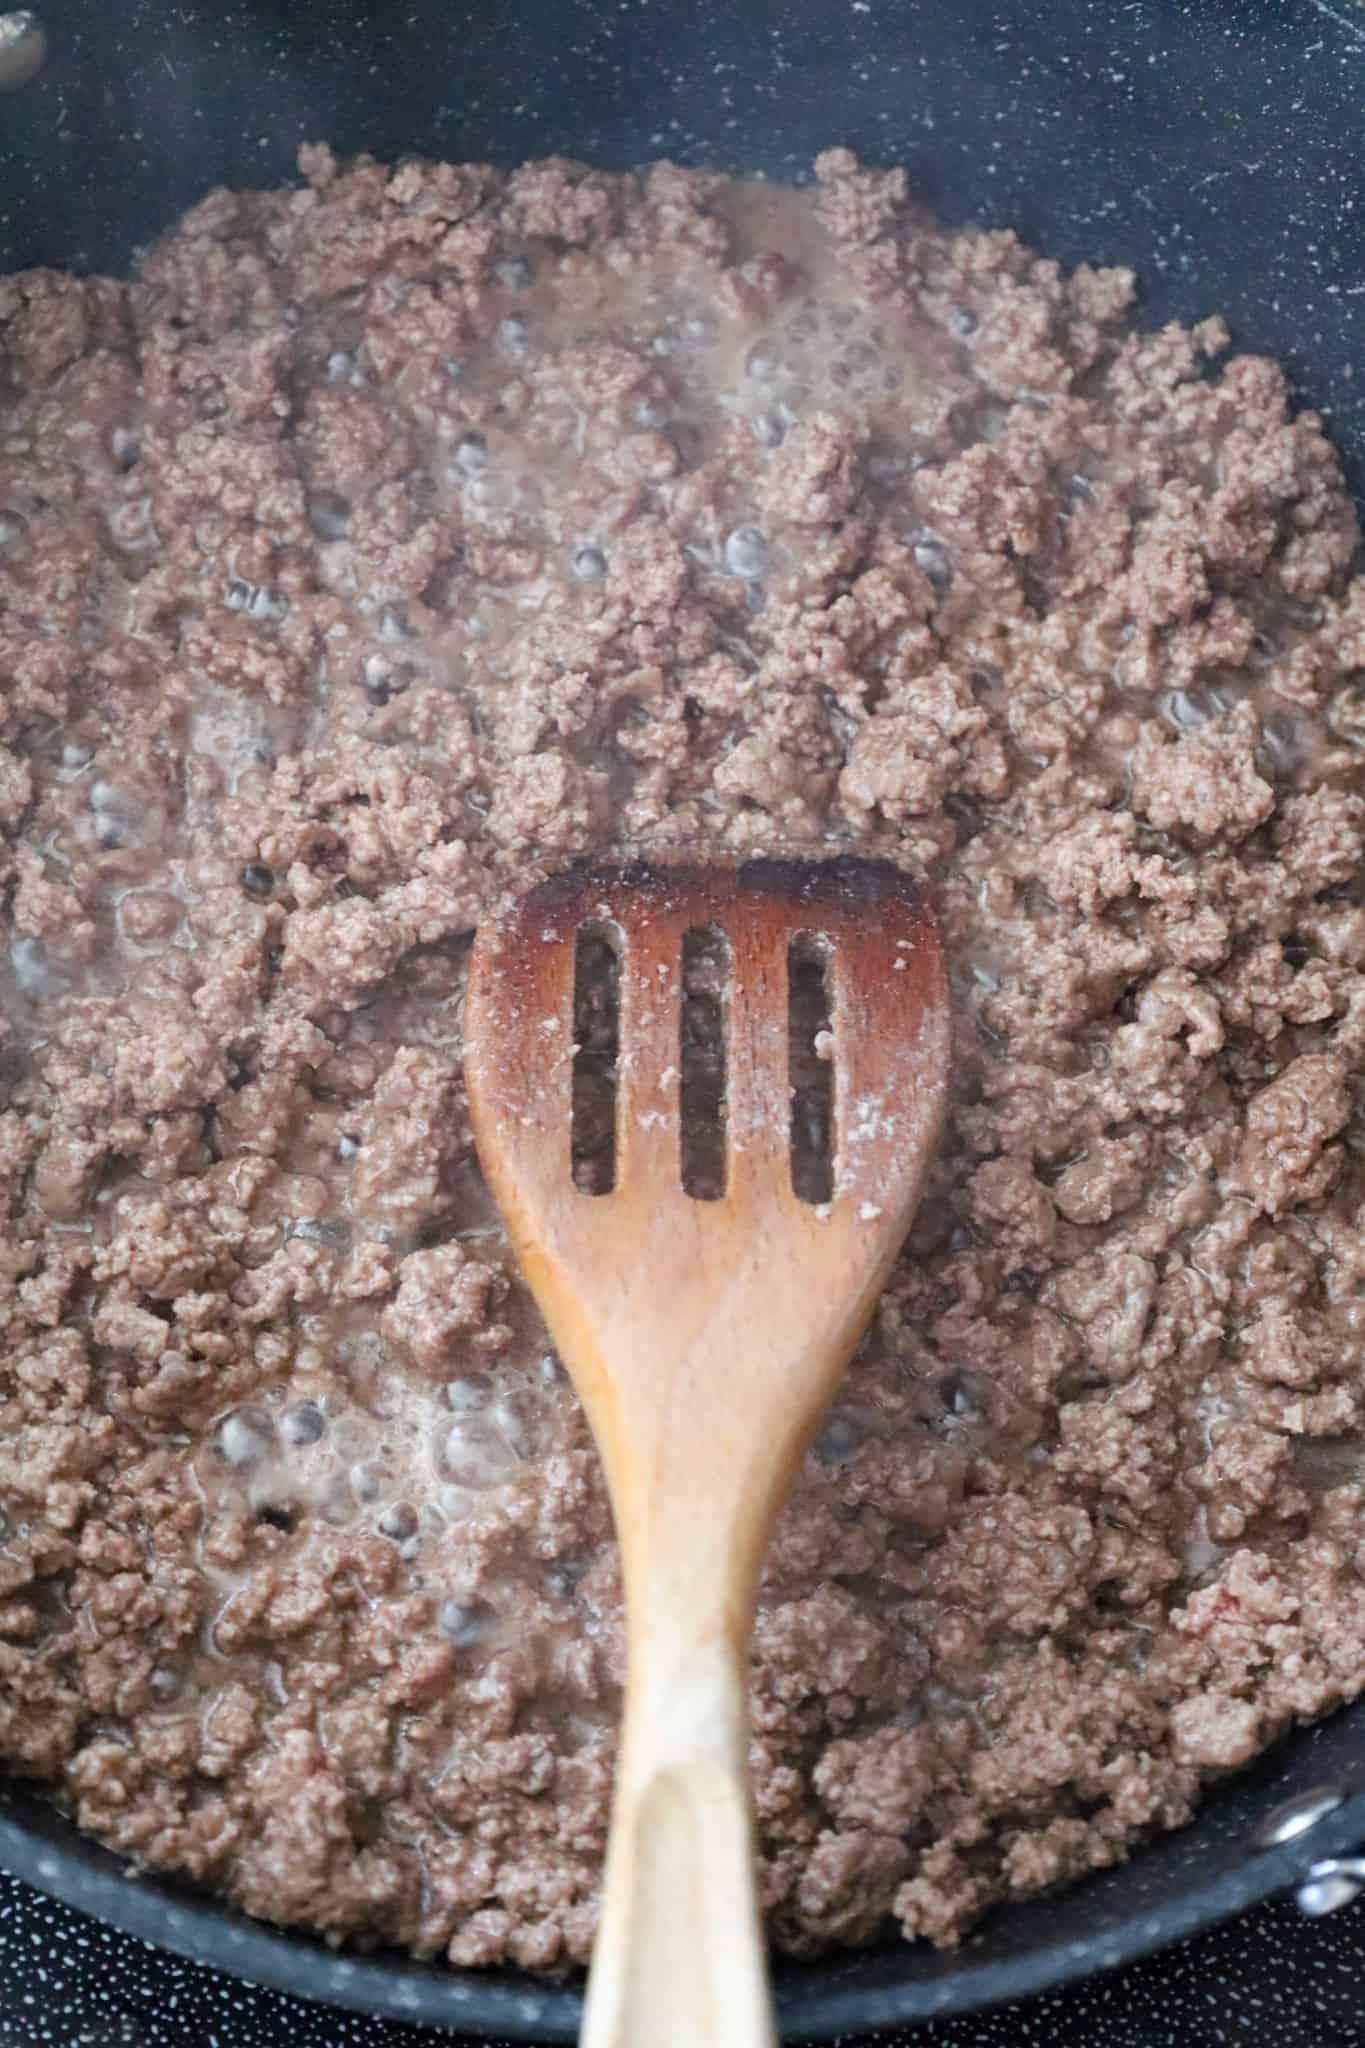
[(388, 536)]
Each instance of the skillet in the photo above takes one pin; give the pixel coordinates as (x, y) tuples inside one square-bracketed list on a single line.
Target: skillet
[(1215, 148)]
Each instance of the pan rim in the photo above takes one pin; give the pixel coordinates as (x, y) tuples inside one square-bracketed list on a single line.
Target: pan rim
[(41, 1846)]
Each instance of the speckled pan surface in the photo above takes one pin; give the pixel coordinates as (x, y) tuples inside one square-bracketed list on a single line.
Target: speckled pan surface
[(67, 1983), (1214, 147), (1184, 1881)]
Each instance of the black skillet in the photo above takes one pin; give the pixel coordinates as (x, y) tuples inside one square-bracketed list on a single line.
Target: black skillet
[(1214, 146)]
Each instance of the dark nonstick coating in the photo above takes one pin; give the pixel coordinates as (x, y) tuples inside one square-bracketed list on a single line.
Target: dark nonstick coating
[(1216, 147)]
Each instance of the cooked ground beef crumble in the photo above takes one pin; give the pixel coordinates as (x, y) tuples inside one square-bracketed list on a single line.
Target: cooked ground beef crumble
[(391, 535)]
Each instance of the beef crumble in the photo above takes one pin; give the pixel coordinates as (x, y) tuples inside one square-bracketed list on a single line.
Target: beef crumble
[(390, 534)]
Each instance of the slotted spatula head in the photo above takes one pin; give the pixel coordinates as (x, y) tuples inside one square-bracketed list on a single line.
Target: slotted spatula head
[(705, 1336), (708, 1335)]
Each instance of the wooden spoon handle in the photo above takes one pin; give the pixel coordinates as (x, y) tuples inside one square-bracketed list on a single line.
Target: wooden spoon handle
[(679, 1961)]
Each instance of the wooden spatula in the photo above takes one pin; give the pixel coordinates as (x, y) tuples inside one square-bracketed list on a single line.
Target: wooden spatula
[(705, 1336)]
